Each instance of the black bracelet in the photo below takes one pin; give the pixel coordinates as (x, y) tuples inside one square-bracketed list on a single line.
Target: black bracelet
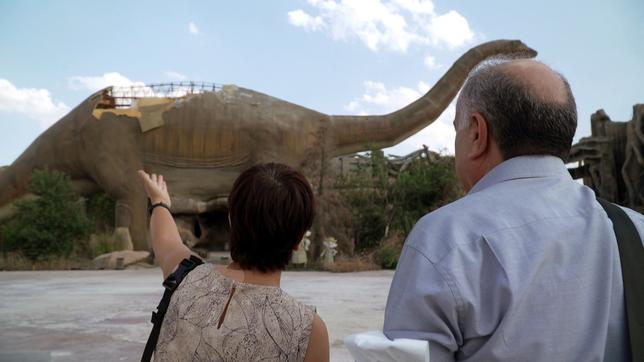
[(162, 204)]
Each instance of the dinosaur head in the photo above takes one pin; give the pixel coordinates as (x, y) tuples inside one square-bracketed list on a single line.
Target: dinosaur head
[(518, 49)]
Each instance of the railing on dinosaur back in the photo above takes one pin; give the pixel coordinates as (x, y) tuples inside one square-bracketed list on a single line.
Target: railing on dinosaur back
[(124, 96)]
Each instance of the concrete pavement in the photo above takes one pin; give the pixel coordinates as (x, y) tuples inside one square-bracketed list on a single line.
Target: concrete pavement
[(105, 315)]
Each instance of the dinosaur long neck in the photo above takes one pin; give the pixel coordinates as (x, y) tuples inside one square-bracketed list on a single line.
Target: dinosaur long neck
[(360, 133)]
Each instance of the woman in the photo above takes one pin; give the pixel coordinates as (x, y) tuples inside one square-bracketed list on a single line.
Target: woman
[(239, 312)]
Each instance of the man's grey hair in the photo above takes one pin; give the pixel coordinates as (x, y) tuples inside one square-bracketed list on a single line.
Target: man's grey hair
[(519, 121)]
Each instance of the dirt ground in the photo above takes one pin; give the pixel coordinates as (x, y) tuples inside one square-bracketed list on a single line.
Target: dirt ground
[(105, 315)]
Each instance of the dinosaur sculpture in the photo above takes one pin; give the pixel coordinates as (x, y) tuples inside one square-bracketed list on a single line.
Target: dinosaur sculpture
[(201, 142)]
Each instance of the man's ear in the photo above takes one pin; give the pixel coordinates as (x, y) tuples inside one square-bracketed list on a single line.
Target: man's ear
[(479, 135)]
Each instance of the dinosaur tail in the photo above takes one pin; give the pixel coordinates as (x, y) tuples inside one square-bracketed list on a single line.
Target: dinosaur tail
[(14, 178), (54, 149)]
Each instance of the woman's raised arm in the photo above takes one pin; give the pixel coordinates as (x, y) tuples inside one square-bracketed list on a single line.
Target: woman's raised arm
[(168, 248)]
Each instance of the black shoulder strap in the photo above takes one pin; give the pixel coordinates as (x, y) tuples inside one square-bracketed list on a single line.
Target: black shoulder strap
[(170, 283), (631, 255)]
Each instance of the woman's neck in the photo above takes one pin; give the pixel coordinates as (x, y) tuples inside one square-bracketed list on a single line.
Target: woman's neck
[(252, 276)]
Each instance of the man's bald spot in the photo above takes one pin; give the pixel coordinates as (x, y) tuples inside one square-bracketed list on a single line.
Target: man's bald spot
[(541, 81)]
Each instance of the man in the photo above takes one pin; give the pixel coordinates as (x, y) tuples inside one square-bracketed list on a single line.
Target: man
[(526, 266)]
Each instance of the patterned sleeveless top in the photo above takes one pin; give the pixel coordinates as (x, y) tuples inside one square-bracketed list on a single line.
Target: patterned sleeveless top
[(214, 318)]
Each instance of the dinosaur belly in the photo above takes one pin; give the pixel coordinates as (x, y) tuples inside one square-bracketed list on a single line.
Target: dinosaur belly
[(196, 184)]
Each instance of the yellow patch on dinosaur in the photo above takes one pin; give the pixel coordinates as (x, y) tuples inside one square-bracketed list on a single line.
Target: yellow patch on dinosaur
[(148, 111)]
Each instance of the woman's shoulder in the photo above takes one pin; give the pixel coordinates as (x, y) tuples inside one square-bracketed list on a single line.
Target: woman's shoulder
[(202, 271), (306, 311), (204, 279), (276, 297), (303, 315)]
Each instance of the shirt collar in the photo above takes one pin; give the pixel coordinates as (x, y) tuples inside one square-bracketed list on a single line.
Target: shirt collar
[(523, 167)]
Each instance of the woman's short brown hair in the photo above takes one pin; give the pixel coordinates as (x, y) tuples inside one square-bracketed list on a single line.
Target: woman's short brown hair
[(271, 206)]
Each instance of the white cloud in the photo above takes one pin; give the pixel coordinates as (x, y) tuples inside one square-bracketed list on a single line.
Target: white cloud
[(385, 24), (95, 83), (353, 106), (451, 29), (430, 62), (193, 29), (378, 99), (175, 75), (418, 7), (31, 102), (301, 19)]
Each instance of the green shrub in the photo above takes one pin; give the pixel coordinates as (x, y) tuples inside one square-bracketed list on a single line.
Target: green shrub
[(100, 211), (102, 243), (50, 224), (387, 256), (7, 241)]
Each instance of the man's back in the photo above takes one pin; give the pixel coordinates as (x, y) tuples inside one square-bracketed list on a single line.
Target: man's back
[(525, 267)]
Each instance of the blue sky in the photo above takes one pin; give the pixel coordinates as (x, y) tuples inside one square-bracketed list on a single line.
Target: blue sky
[(337, 57)]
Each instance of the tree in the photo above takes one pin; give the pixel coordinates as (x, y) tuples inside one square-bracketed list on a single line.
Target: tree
[(423, 187), (385, 202), (365, 192)]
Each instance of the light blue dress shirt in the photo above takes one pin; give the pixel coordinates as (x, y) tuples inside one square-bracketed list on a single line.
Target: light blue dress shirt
[(524, 268)]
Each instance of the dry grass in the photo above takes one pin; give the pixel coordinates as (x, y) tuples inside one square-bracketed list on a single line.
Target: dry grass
[(81, 257), (348, 264), (15, 261)]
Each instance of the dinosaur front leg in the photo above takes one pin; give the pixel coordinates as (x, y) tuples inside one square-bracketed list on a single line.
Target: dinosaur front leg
[(131, 220), (117, 176)]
